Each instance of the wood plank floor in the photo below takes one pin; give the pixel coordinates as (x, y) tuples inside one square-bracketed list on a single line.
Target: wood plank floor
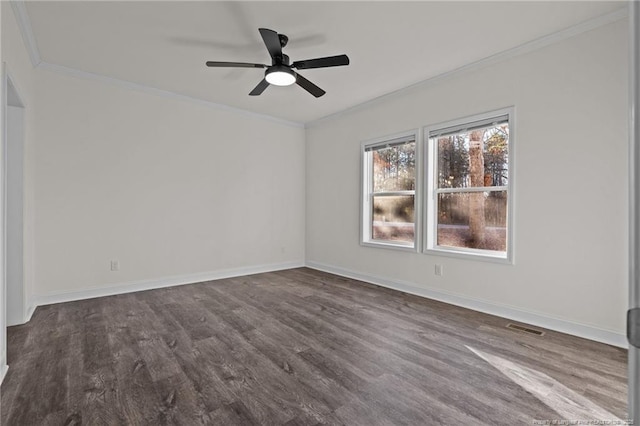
[(296, 347)]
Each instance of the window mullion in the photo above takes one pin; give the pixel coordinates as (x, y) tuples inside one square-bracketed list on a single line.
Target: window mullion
[(470, 189), (393, 193)]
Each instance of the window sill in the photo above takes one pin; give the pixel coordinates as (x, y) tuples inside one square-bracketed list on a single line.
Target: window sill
[(488, 256), (389, 245)]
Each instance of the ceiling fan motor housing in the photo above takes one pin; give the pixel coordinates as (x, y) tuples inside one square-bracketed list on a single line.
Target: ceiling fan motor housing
[(284, 60), (283, 39)]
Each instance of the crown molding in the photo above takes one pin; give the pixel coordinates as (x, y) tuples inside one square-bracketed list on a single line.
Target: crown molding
[(24, 23), (160, 92), (522, 49)]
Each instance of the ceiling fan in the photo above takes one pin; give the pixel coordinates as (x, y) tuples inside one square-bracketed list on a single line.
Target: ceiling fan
[(280, 72)]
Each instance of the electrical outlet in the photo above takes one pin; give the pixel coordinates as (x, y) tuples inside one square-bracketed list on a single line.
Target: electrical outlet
[(115, 265), (439, 270)]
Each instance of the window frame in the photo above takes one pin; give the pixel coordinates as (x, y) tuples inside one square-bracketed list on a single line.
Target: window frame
[(430, 164), (366, 191)]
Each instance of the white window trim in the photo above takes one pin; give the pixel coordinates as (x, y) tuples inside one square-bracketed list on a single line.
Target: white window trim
[(365, 191), (428, 218)]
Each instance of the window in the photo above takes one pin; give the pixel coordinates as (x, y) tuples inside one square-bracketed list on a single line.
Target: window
[(469, 198), (389, 192)]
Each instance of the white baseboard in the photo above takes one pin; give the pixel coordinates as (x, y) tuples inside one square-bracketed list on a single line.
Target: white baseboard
[(130, 287), (3, 372), (29, 313), (516, 314), (26, 317)]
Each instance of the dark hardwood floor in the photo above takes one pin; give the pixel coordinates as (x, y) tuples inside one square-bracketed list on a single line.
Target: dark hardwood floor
[(296, 347)]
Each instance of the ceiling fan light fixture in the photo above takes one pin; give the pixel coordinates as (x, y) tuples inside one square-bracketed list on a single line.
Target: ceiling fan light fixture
[(279, 75)]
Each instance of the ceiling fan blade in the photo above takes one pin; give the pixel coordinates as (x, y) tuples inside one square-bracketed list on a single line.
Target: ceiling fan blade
[(272, 41), (309, 86), (329, 61), (234, 64), (259, 88)]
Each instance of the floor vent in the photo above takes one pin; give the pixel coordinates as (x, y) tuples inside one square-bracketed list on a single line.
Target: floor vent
[(525, 329)]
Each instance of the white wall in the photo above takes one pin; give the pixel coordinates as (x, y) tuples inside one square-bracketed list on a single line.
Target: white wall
[(166, 187), (570, 195)]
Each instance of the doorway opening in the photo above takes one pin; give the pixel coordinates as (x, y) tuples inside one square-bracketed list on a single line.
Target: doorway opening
[(14, 204)]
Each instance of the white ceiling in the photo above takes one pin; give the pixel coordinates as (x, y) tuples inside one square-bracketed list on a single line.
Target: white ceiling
[(391, 44)]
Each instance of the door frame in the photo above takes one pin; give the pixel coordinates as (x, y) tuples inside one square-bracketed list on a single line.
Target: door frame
[(634, 200)]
